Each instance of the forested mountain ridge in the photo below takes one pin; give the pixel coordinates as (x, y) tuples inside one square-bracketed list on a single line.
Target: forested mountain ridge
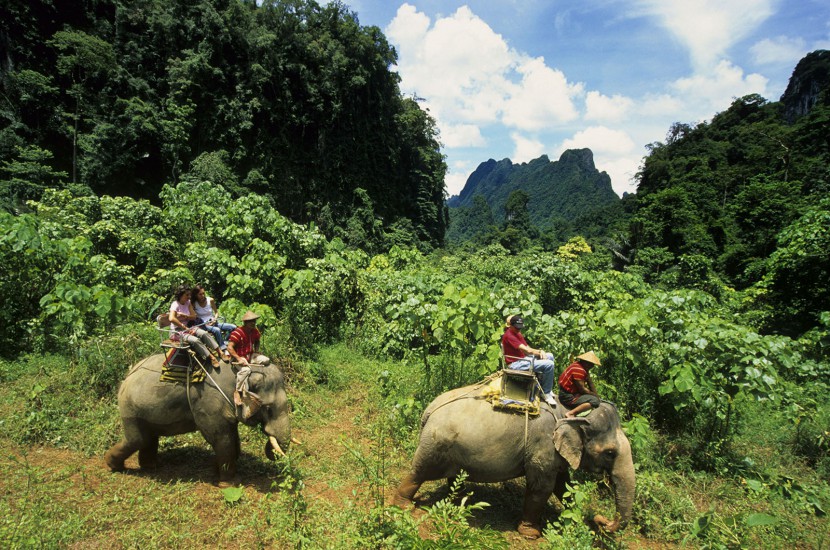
[(287, 99), (558, 192), (810, 77), (745, 197)]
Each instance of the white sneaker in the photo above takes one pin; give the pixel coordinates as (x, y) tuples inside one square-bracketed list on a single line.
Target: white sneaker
[(550, 400)]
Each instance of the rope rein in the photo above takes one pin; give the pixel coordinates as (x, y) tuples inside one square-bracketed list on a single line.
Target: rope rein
[(464, 395), (215, 385)]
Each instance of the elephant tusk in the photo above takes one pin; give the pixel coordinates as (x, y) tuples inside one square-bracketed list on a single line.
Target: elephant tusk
[(275, 445), (296, 441)]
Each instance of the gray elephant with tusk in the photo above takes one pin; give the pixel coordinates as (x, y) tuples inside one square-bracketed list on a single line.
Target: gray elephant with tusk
[(151, 408), (461, 430)]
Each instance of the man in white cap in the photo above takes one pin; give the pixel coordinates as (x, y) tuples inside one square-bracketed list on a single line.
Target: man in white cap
[(576, 389), (517, 354)]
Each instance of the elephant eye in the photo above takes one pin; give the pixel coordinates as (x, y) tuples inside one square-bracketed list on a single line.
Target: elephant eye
[(611, 453)]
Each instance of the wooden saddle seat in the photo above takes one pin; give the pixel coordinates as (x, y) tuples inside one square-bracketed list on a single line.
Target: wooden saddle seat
[(177, 366), (167, 338), (518, 385)]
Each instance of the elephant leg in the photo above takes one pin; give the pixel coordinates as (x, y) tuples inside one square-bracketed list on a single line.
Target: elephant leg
[(406, 491), (148, 454), (562, 480), (135, 438), (117, 454), (227, 448), (537, 493)]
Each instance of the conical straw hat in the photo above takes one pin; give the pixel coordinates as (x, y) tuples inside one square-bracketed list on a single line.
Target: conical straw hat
[(590, 357), (249, 316)]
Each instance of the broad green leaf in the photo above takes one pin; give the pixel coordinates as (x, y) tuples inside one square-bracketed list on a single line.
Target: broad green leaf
[(232, 494)]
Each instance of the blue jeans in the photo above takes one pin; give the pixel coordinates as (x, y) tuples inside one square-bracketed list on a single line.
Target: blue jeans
[(217, 331), (544, 369)]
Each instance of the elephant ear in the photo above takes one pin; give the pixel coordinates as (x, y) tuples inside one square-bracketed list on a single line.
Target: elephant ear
[(568, 442), (251, 404)]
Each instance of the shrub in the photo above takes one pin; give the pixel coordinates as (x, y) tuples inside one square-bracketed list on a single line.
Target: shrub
[(103, 362)]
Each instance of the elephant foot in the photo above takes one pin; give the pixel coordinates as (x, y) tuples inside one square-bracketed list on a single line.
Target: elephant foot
[(401, 501), (113, 463), (148, 464), (530, 531), (608, 525), (405, 493), (225, 483)]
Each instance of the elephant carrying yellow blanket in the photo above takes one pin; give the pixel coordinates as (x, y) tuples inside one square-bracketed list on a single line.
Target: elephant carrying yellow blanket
[(504, 396)]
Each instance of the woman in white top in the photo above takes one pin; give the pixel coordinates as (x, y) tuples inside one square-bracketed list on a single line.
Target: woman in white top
[(181, 314), (205, 308)]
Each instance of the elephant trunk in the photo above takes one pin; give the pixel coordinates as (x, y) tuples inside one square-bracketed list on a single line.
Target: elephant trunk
[(622, 476), (277, 428)]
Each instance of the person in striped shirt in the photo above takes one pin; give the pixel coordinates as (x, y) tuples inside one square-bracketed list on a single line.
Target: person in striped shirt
[(576, 389)]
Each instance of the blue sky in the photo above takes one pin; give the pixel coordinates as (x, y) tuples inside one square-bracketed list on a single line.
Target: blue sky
[(521, 78)]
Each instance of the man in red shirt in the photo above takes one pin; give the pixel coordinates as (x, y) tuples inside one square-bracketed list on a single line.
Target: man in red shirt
[(243, 347), (517, 354), (576, 389), (243, 343)]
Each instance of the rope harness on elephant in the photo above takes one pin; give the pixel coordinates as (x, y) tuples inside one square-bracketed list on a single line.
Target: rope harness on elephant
[(483, 383), (215, 385), (135, 368), (463, 395)]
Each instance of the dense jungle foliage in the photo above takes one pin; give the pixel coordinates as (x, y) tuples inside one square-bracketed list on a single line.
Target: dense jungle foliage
[(691, 378), (287, 99), (745, 197)]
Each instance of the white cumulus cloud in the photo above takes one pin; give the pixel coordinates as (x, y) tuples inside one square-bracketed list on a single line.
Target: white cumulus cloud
[(621, 170), (601, 140), (455, 62), (543, 98), (469, 75), (704, 94), (526, 148), (707, 28), (778, 50), (462, 135), (607, 109), (409, 26)]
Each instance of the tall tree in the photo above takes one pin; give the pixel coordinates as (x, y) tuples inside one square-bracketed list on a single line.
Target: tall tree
[(300, 96), (87, 62)]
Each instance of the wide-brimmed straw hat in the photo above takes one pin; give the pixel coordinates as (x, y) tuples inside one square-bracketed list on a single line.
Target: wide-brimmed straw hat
[(590, 357), (250, 316)]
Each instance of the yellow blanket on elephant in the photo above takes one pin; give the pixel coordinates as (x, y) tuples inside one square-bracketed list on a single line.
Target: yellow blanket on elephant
[(512, 395), (176, 367)]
